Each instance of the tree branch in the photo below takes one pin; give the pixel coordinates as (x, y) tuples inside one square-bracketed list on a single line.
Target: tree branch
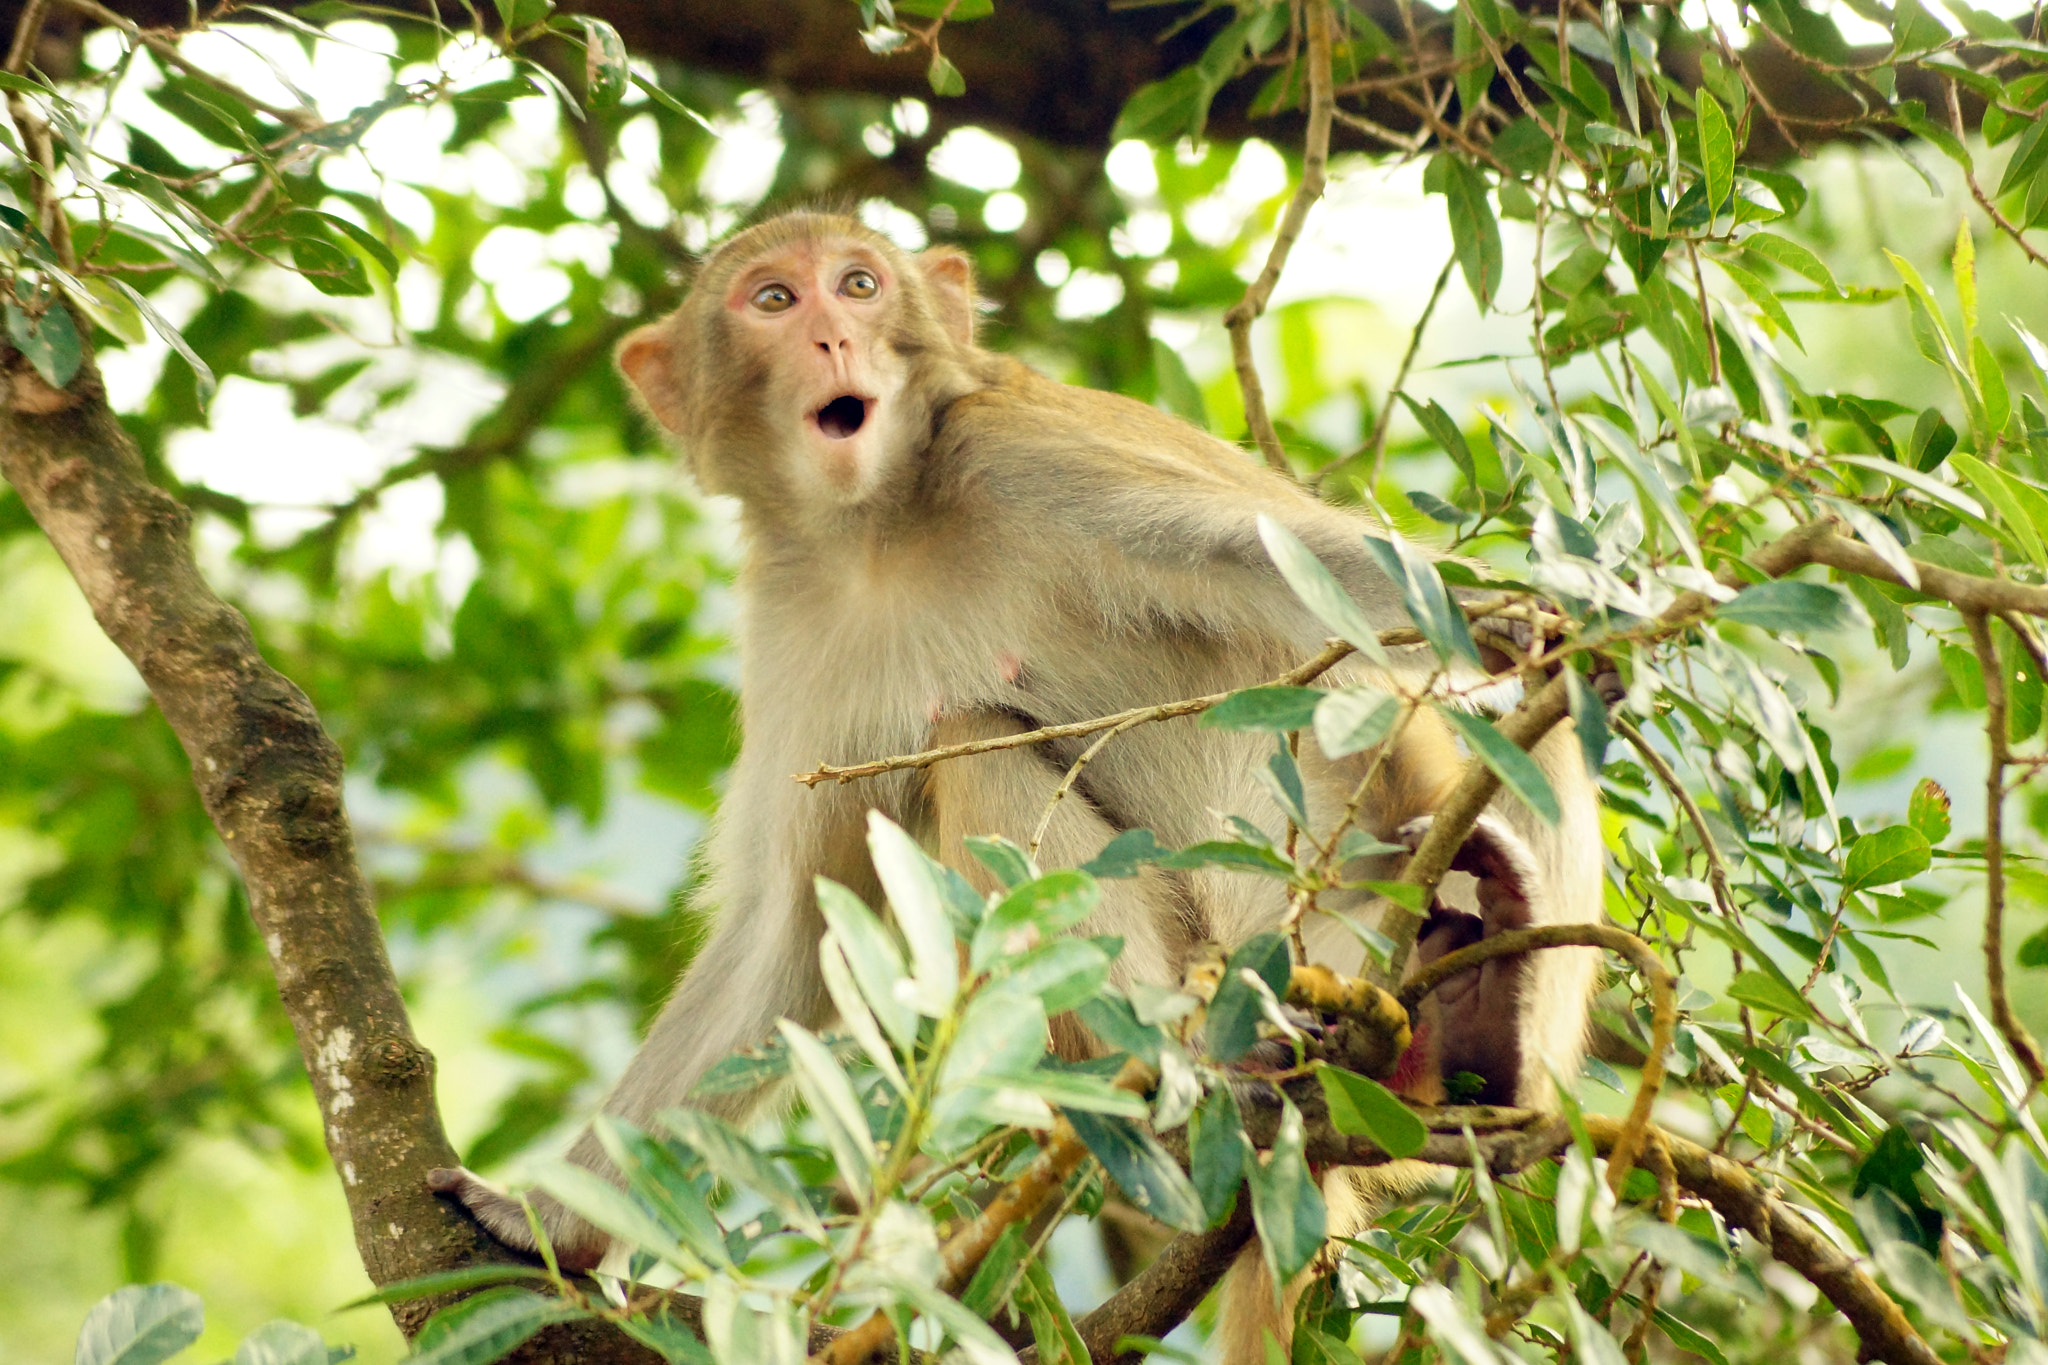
[(1315, 158), (2016, 1036)]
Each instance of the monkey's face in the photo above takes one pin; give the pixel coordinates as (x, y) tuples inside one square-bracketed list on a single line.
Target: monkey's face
[(814, 318)]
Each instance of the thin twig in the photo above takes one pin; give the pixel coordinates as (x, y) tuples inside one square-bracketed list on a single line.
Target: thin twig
[(1717, 868), (301, 119), (1073, 775), (1377, 446), (2016, 1036), (1017, 1203), (35, 137), (2003, 224), (1315, 159)]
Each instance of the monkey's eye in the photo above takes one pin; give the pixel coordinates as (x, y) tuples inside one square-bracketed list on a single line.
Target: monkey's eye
[(860, 284), (773, 298)]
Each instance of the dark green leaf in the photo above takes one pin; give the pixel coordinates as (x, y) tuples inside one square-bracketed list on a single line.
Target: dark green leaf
[(1589, 721), (1235, 1013), (606, 74), (1784, 604), (50, 342), (1517, 771), (1216, 1152), (487, 1326), (378, 252), (1287, 1205), (1422, 593), (1474, 234), (1126, 855), (1011, 864), (1165, 110), (1141, 1168), (1892, 854), (446, 1282), (1276, 709)]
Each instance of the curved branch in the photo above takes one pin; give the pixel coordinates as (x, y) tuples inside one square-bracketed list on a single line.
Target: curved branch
[(1663, 1007)]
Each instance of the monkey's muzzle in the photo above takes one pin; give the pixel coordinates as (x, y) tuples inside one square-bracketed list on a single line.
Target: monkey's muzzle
[(843, 416)]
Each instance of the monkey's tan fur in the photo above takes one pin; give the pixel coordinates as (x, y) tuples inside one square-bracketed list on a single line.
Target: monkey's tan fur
[(985, 552)]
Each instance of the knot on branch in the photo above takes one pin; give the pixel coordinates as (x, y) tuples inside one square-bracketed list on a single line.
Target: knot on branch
[(395, 1061)]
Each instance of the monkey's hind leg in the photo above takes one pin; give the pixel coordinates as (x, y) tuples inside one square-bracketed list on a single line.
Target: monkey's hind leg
[(1008, 792)]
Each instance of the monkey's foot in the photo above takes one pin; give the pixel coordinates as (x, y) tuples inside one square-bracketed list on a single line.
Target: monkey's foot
[(577, 1245), (1478, 1025)]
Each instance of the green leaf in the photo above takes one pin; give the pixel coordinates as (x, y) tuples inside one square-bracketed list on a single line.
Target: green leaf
[(1363, 1107), (1766, 992), (1126, 855), (1234, 1015), (1429, 606), (828, 1092), (1475, 236), (1052, 903), (282, 1342), (1685, 1338), (1052, 1330), (50, 342), (378, 252), (1276, 709), (1444, 431), (1589, 720), (1011, 864), (1287, 1205), (1110, 1017), (1788, 605), (2034, 951), (1174, 388), (728, 1155), (912, 884), (2029, 155), (1216, 1152), (612, 1210), (944, 77), (1765, 299), (487, 1327), (606, 72), (1927, 810), (2015, 508), (1517, 771), (446, 1282), (1717, 152), (321, 261), (1142, 1168), (873, 958), (1892, 854), (1165, 110), (1354, 720), (1319, 590), (1061, 974), (1792, 256), (140, 1324)]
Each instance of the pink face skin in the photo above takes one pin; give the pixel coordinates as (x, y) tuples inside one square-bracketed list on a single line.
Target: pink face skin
[(817, 309)]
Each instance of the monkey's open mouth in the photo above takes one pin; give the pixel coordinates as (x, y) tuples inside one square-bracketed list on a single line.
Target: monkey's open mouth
[(843, 416)]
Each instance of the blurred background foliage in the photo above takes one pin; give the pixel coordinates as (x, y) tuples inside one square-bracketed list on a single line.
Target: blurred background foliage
[(428, 491)]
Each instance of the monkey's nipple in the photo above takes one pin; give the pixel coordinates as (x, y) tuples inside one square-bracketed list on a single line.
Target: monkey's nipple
[(843, 416)]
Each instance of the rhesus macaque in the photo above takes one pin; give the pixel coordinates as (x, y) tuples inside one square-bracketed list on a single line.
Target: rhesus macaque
[(942, 545)]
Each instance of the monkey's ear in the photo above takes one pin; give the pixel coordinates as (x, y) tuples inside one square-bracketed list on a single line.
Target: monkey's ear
[(951, 277), (646, 357)]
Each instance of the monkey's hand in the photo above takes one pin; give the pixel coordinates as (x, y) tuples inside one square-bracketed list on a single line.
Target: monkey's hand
[(577, 1245), (1506, 641), (1479, 1013)]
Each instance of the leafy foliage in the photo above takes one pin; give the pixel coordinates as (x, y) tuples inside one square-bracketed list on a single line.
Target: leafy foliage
[(545, 661)]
